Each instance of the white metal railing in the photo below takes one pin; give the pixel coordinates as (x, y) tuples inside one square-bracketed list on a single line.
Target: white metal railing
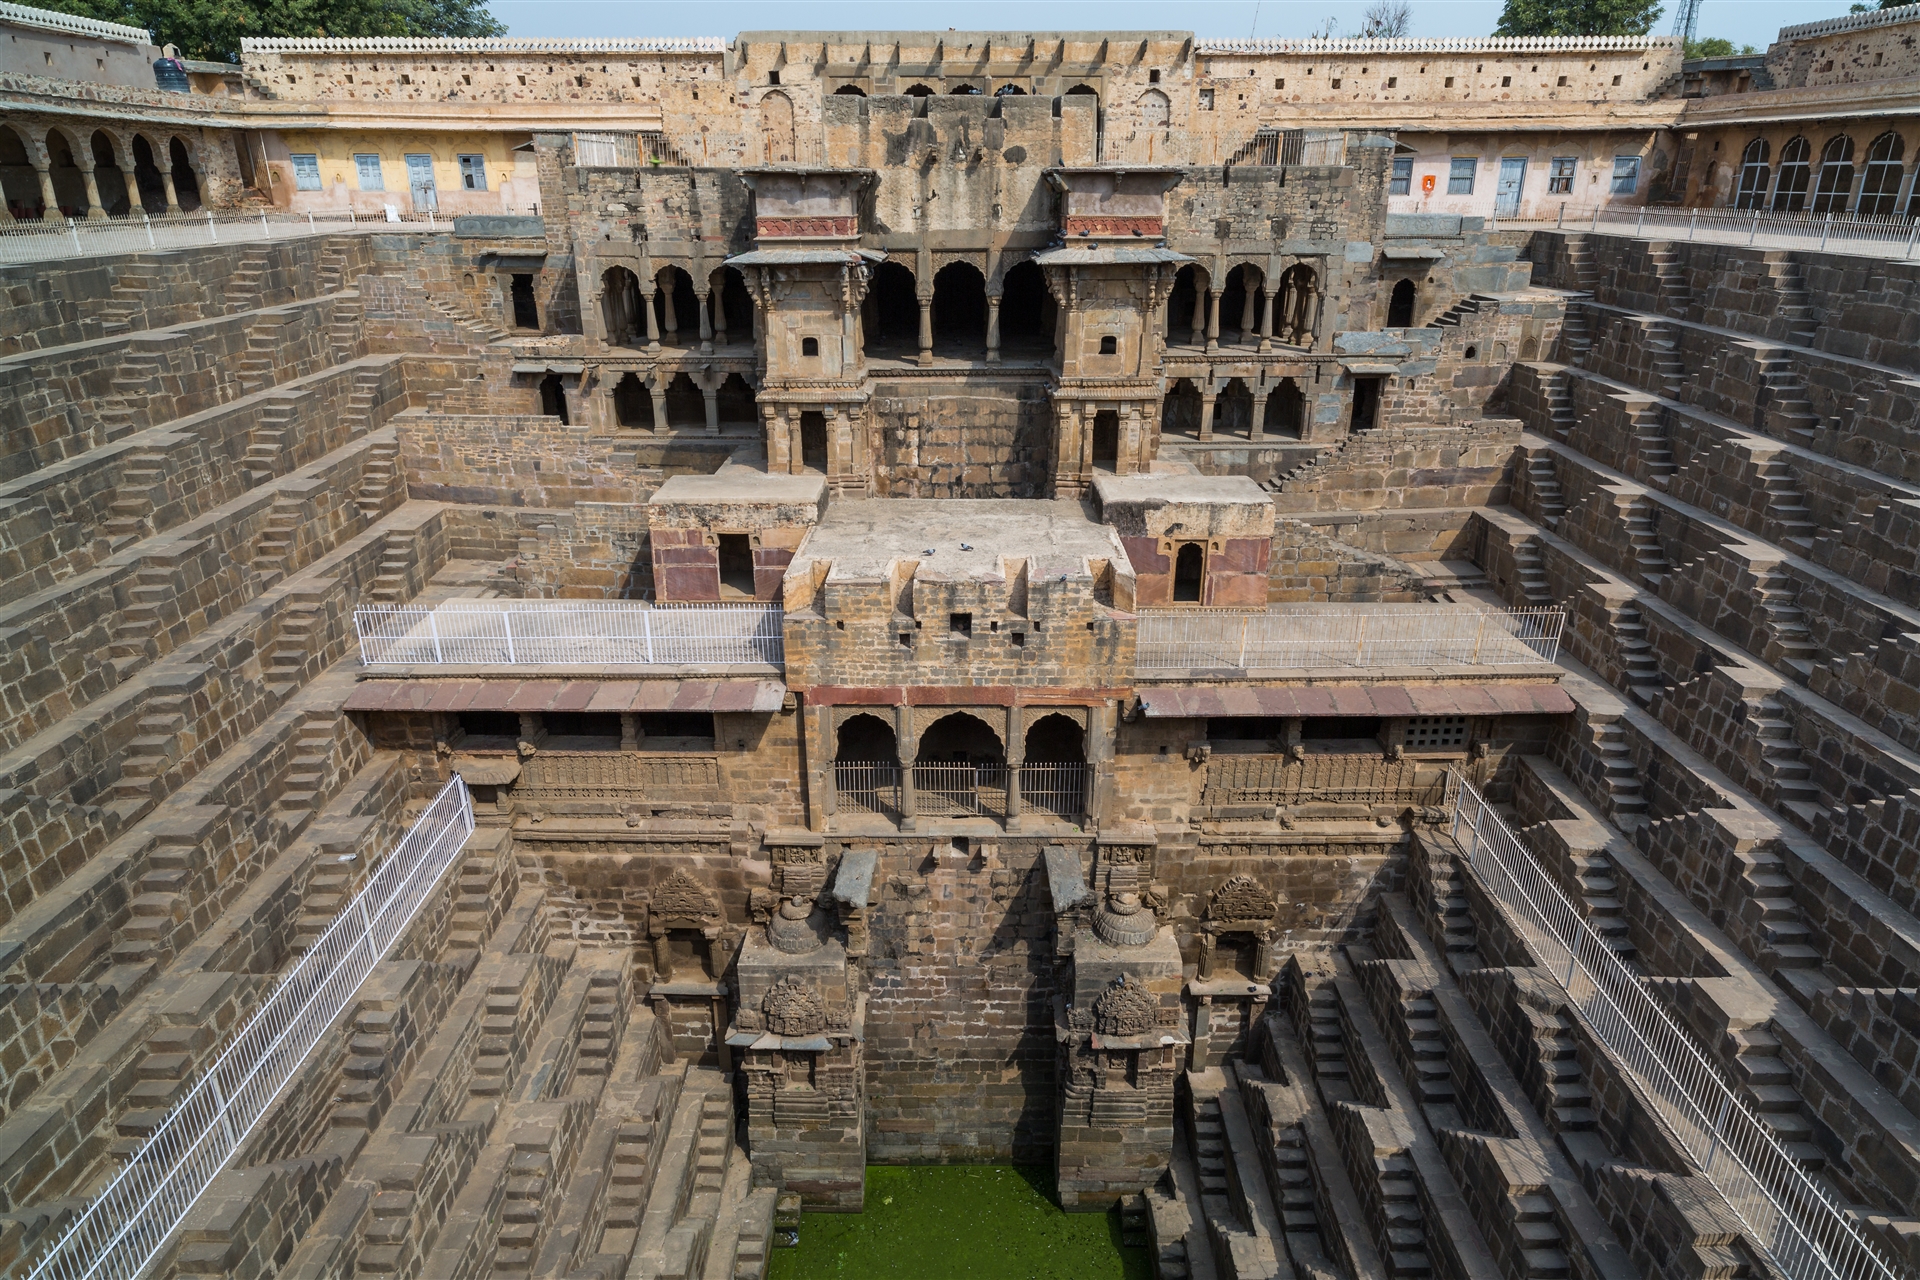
[(129, 1223), (624, 150), (23, 241), (1293, 637), (1788, 1214), (870, 785), (1890, 236), (960, 790), (566, 633)]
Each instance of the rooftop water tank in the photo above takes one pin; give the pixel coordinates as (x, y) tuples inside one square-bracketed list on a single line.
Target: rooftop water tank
[(171, 75)]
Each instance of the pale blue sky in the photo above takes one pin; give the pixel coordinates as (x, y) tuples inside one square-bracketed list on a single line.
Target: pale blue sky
[(1749, 21)]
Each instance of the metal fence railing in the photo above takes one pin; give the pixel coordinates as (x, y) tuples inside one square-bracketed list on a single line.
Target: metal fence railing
[(1808, 1235), (510, 633), (1297, 636), (625, 150), (960, 790), (1059, 789), (128, 1224), (141, 233), (867, 785), (1890, 236)]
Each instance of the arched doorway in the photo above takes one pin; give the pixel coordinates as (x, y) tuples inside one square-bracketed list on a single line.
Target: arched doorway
[(1294, 309), (736, 402), (1053, 773), (1180, 411), (1233, 410), (1187, 307), (1156, 111), (1028, 314), (107, 176), (186, 182), (849, 91), (1286, 410), (686, 407), (633, 403), (1106, 439), (891, 314), (1240, 303), (960, 311), (1880, 192), (866, 765), (1400, 306), (1836, 176), (1754, 176), (776, 129), (1796, 174), (620, 304), (1189, 573), (146, 176), (919, 91), (19, 184), (960, 768), (732, 307), (1009, 91), (69, 188)]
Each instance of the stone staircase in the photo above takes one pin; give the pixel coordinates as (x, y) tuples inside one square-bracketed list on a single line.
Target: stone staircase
[(133, 498), (303, 786), (292, 656), (1781, 760), (1795, 304), (1662, 345), (261, 358), (153, 751), (1783, 930), (381, 475), (1576, 338), (343, 332), (1560, 406), (1776, 594), (1530, 574), (135, 639), (1326, 1044), (1447, 887), (246, 282), (1768, 1082), (273, 550), (134, 382), (332, 275), (1670, 278), (126, 300), (1546, 487), (1649, 560), (390, 586), (1586, 272), (1626, 807), (1639, 665), (1783, 408), (269, 443), (1787, 509), (1652, 448)]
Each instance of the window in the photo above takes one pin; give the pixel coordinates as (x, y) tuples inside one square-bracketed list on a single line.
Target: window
[(473, 173), (773, 77), (1393, 82), (369, 169), (1836, 176), (306, 173), (1506, 82), (1336, 82), (1206, 99), (1430, 733), (1796, 174), (1561, 83), (1560, 175), (1449, 82), (1402, 183), (1109, 345), (1460, 175), (1189, 573), (1752, 191), (1616, 81), (1280, 83), (960, 624), (736, 563), (1153, 77), (809, 346), (1626, 175)]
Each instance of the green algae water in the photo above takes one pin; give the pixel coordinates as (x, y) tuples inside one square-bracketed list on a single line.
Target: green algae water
[(960, 1222)]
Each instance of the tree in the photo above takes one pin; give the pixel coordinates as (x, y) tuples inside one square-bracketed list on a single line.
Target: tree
[(213, 29), (1578, 17), (1884, 4), (1715, 47), (1386, 20)]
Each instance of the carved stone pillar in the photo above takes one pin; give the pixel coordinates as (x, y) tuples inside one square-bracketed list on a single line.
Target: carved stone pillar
[(1199, 324), (907, 739), (1213, 320), (1266, 319), (1016, 756), (706, 323), (1206, 412), (666, 307), (1247, 316), (993, 328), (1256, 430), (133, 190), (94, 211), (653, 327), (926, 331), (52, 202), (658, 391), (166, 180), (712, 396)]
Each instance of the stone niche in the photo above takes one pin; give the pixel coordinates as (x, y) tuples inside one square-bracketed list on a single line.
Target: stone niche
[(731, 535), (1199, 540)]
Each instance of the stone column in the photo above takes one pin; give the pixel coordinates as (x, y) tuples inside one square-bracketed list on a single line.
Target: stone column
[(659, 393), (712, 396), (1199, 325), (775, 437), (993, 328), (1247, 315), (926, 331), (653, 327), (706, 323), (907, 742), (666, 306), (1266, 318), (1099, 759), (1206, 412), (133, 190), (1129, 457), (47, 197), (1316, 300), (1016, 756), (94, 211), (166, 180), (719, 317), (1213, 320), (796, 444), (1257, 429)]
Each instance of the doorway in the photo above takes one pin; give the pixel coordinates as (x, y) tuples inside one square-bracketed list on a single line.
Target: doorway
[(1513, 177), (420, 182)]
